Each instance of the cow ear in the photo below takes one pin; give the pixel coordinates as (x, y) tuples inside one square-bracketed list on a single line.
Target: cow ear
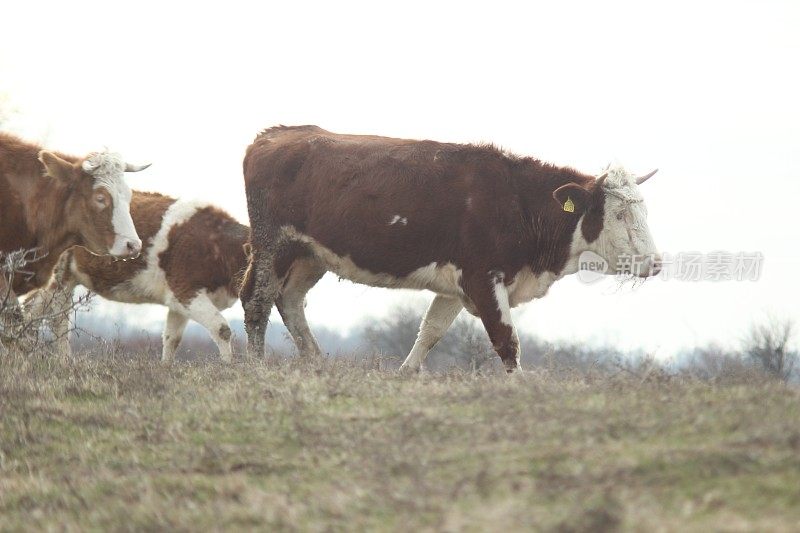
[(56, 167), (572, 198)]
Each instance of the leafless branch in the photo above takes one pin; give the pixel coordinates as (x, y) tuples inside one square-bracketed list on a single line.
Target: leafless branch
[(768, 344), (21, 325)]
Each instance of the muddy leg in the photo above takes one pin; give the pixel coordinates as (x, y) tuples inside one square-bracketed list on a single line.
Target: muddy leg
[(260, 289)]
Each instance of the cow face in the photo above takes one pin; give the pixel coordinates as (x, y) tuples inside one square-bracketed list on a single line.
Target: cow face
[(98, 206), (613, 222)]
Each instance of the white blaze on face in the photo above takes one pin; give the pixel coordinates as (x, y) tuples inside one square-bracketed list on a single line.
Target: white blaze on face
[(626, 236), (108, 170)]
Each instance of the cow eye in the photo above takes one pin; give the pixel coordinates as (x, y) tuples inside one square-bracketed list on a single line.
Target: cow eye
[(100, 200), (620, 215)]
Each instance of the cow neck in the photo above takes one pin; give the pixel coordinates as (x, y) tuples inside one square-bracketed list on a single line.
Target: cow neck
[(43, 202), (548, 232)]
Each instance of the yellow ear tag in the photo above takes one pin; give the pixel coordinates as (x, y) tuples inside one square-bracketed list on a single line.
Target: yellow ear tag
[(569, 207)]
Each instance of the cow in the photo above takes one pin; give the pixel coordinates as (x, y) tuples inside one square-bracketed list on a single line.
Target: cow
[(483, 229), (50, 201), (193, 259)]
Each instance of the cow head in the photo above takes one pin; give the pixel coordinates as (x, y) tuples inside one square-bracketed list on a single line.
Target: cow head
[(613, 222), (97, 209)]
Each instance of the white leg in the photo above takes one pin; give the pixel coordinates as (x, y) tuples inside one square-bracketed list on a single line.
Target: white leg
[(304, 274), (441, 313), (60, 326), (203, 311), (173, 333)]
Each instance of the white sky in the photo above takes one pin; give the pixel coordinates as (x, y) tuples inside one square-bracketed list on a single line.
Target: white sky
[(709, 92)]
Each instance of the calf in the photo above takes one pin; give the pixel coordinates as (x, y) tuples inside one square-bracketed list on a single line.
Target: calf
[(483, 229), (192, 261)]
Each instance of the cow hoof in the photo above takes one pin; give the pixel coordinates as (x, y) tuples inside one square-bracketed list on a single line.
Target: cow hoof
[(408, 370)]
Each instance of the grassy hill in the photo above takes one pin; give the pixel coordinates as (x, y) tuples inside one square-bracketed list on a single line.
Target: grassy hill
[(122, 443)]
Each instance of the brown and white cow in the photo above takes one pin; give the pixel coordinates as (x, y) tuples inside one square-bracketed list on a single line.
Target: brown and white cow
[(483, 229), (192, 262), (51, 201)]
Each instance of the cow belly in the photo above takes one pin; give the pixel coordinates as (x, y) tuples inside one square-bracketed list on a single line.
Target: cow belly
[(148, 286), (441, 279), (222, 298), (130, 292)]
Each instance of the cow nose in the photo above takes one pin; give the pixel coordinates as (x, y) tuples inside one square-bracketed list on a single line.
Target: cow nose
[(134, 248)]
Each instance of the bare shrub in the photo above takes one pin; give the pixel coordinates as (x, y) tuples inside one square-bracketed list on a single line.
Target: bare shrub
[(570, 356), (467, 344), (768, 344), (21, 325), (13, 329), (719, 364), (395, 333)]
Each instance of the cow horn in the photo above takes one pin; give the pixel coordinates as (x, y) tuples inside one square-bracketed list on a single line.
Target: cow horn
[(642, 179), (135, 168), (598, 182)]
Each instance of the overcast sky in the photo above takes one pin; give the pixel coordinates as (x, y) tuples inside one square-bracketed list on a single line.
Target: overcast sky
[(708, 92)]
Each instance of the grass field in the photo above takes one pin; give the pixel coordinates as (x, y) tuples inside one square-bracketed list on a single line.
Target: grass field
[(118, 443)]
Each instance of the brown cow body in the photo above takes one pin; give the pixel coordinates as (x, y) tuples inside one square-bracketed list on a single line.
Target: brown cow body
[(192, 261), (52, 201), (482, 229)]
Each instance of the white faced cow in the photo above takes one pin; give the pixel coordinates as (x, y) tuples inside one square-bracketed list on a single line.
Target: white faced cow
[(192, 263), (482, 229), (50, 201)]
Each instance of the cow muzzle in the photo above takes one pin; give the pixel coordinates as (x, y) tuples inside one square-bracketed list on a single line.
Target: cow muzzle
[(126, 248), (134, 248), (650, 266)]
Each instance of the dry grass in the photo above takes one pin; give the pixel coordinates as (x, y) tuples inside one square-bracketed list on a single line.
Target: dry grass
[(116, 443)]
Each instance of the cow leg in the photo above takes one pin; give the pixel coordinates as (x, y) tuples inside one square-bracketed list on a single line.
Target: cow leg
[(260, 289), (204, 312), (439, 316), (303, 275), (59, 323), (490, 297), (173, 333)]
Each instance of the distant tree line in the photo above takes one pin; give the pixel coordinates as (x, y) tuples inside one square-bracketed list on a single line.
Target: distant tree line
[(766, 349)]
